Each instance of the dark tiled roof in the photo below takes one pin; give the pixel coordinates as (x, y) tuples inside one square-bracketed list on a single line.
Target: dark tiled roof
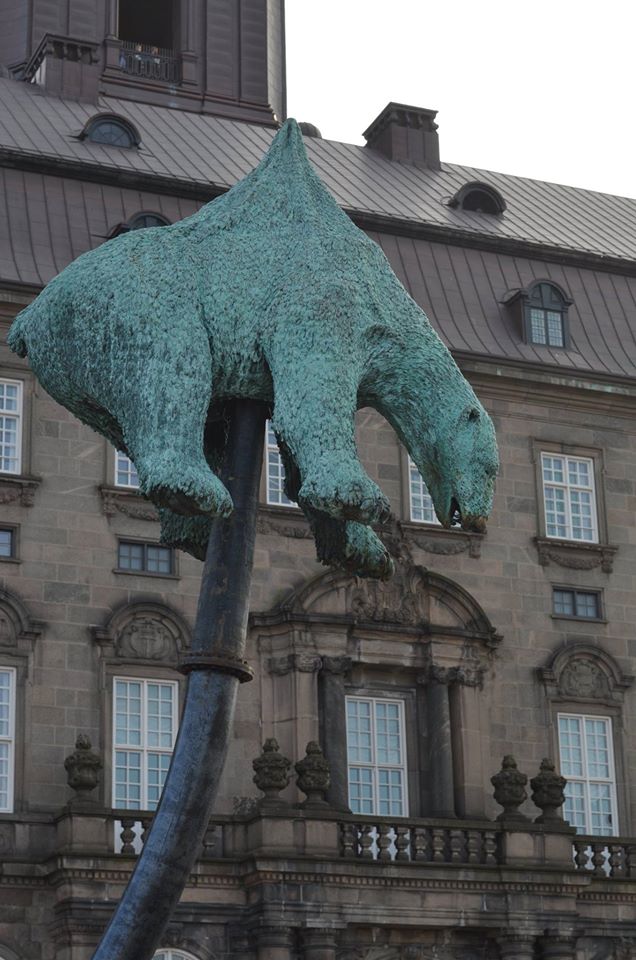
[(53, 219), (209, 150)]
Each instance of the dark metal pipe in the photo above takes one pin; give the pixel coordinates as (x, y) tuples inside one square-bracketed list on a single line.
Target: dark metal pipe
[(215, 665)]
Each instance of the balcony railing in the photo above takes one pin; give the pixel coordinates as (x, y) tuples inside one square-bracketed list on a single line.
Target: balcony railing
[(606, 858), (420, 841), (148, 62)]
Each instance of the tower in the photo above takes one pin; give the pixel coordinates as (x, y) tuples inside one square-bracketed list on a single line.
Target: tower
[(224, 57)]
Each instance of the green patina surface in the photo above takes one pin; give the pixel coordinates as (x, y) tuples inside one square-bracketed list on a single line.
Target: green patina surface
[(269, 292)]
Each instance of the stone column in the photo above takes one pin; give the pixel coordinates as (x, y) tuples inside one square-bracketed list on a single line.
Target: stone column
[(333, 727), (275, 943), (558, 946), (319, 944), (112, 18), (514, 946), (439, 762)]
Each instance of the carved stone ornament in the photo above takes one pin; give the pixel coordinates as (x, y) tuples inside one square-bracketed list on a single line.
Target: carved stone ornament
[(469, 675), (82, 767), (313, 775), (19, 488), (146, 639), (399, 600), (574, 555), (445, 543), (294, 527), (582, 678), (302, 662), (548, 792), (271, 772), (510, 789), (127, 502)]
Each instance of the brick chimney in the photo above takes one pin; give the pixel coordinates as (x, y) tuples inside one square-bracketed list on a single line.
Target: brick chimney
[(404, 133)]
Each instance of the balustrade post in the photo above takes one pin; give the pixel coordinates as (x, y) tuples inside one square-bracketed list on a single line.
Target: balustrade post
[(333, 727), (319, 944)]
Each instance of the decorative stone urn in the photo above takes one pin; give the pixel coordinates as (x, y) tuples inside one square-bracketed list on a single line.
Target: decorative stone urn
[(510, 789), (548, 792), (271, 773), (313, 775), (82, 771)]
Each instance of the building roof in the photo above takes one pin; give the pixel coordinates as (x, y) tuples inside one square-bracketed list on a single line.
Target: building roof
[(215, 152), (54, 216)]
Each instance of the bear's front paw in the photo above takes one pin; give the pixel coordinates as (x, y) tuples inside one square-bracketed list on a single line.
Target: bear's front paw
[(350, 497), (365, 554)]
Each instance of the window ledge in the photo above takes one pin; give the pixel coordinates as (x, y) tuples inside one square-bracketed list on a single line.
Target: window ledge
[(10, 560), (575, 555), (437, 539), (147, 573), (284, 521), (20, 487), (127, 501), (568, 616)]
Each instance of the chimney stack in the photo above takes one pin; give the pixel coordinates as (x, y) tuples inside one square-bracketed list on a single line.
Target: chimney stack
[(407, 134)]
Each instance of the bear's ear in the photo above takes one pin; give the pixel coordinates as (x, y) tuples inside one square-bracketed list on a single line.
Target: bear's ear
[(473, 414)]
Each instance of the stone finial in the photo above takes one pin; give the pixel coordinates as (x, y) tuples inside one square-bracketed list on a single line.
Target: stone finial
[(82, 769), (548, 792), (271, 772), (313, 775), (510, 790)]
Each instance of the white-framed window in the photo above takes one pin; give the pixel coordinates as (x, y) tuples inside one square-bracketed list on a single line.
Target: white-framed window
[(275, 471), (125, 472), (587, 762), (376, 756), (421, 503), (569, 497), (7, 737), (145, 719), (10, 426)]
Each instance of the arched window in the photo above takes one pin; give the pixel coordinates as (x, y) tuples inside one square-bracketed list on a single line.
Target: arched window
[(114, 131), (478, 198), (139, 222), (546, 315), (142, 220)]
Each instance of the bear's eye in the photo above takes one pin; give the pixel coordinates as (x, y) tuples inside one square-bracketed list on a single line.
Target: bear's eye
[(473, 414)]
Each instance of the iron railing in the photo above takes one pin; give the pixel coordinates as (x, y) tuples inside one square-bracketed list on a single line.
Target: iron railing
[(149, 62)]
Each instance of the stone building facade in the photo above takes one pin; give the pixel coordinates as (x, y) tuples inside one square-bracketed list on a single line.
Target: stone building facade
[(517, 642)]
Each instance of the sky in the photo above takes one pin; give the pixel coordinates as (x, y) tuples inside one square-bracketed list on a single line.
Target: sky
[(539, 89)]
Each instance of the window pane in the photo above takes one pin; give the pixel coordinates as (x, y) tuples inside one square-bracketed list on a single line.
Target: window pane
[(422, 510), (582, 520), (6, 543), (596, 735), (9, 454), (555, 328), (390, 793), (128, 779), (388, 733), (359, 731), (555, 515), (5, 773), (275, 471), (127, 713), (125, 471), (600, 809), (564, 602), (361, 790), (537, 325), (587, 605), (553, 469), (159, 559), (580, 473), (160, 715), (158, 764), (571, 746), (574, 806), (131, 556)]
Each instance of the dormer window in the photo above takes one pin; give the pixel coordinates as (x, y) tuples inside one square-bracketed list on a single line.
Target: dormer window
[(139, 222), (545, 315), (113, 131), (478, 198)]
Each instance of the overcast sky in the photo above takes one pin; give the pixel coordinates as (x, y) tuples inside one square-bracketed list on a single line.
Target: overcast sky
[(538, 89)]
